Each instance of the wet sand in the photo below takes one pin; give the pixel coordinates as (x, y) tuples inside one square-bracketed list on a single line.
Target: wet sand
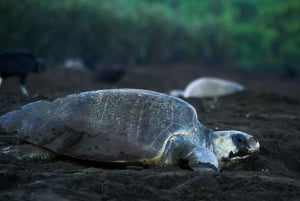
[(269, 109)]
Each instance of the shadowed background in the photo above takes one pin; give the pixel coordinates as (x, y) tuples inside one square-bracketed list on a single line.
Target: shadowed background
[(248, 34)]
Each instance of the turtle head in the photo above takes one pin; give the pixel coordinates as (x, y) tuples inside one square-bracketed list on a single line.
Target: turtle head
[(233, 145)]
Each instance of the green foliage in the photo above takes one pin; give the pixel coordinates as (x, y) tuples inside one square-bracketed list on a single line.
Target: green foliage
[(267, 32), (248, 33)]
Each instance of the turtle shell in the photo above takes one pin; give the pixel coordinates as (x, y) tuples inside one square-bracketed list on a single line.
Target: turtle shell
[(104, 125)]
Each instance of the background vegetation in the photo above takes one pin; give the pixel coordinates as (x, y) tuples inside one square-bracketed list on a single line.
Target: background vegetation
[(251, 34)]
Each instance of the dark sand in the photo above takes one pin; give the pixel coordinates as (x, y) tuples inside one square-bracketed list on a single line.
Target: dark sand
[(269, 110)]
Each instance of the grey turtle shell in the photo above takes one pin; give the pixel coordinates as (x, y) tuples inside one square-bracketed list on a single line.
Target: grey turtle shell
[(105, 125)]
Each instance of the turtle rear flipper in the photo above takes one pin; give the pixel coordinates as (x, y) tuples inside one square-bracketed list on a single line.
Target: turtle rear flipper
[(28, 152)]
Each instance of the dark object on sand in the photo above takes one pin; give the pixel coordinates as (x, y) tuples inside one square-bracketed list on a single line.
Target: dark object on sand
[(109, 75), (289, 70), (19, 62), (125, 126)]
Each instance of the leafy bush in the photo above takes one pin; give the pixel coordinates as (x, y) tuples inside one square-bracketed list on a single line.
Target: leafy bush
[(247, 33)]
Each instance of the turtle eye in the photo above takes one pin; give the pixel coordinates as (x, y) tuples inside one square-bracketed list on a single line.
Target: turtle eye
[(240, 141)]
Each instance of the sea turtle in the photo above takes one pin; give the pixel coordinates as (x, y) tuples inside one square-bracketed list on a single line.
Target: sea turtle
[(208, 87), (123, 126)]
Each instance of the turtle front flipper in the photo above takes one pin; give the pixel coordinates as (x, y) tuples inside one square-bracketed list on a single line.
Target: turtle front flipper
[(198, 158), (202, 159), (28, 152)]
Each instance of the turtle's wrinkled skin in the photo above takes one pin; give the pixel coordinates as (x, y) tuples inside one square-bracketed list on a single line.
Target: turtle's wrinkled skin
[(126, 125)]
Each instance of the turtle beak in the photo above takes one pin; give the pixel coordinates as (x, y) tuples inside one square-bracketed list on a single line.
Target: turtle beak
[(250, 149)]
